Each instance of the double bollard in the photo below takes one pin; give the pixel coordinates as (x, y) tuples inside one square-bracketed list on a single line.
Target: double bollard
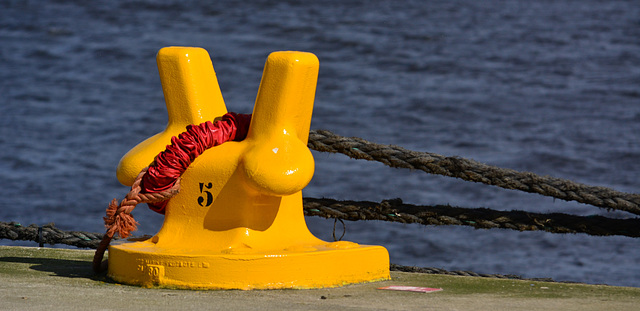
[(238, 221)]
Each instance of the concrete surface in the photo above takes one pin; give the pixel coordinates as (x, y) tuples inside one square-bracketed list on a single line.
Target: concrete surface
[(61, 279)]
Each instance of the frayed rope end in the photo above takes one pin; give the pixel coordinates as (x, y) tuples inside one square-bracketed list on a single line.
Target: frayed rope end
[(118, 221)]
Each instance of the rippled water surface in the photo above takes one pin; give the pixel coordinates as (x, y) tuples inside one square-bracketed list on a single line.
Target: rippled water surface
[(551, 87)]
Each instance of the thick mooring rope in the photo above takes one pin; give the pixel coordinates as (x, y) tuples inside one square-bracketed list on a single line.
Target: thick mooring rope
[(470, 170), (479, 218), (387, 210), (49, 234)]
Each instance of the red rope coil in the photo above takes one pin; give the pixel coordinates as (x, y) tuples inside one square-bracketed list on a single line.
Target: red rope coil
[(186, 147), (160, 181)]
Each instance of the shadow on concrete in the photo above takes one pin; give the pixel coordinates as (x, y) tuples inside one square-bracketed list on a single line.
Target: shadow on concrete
[(59, 267)]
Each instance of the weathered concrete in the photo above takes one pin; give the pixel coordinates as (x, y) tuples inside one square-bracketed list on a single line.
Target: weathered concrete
[(59, 279)]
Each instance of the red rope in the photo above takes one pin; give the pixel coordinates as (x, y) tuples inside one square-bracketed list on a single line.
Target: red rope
[(185, 148), (156, 184)]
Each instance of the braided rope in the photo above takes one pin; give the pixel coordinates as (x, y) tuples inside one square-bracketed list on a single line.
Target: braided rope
[(387, 210), (479, 218), (50, 235), (119, 220), (470, 170)]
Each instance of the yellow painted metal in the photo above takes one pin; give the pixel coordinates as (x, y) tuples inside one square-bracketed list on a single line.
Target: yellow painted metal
[(192, 96), (238, 222)]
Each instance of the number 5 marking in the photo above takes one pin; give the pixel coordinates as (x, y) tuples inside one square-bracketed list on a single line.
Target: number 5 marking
[(206, 195)]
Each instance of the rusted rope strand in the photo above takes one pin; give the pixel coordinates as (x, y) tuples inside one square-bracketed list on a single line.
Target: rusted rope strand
[(119, 220), (479, 218), (470, 170)]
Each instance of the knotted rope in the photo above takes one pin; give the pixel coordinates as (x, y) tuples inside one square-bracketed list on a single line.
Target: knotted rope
[(470, 170)]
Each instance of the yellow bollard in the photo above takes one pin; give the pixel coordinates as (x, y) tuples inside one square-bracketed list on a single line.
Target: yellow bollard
[(253, 234)]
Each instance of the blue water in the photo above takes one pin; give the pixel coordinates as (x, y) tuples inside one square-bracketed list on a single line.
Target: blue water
[(551, 87)]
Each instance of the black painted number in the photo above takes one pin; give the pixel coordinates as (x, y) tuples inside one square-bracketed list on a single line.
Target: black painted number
[(206, 198)]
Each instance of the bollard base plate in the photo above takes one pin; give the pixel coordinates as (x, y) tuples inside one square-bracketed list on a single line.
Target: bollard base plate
[(300, 267)]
